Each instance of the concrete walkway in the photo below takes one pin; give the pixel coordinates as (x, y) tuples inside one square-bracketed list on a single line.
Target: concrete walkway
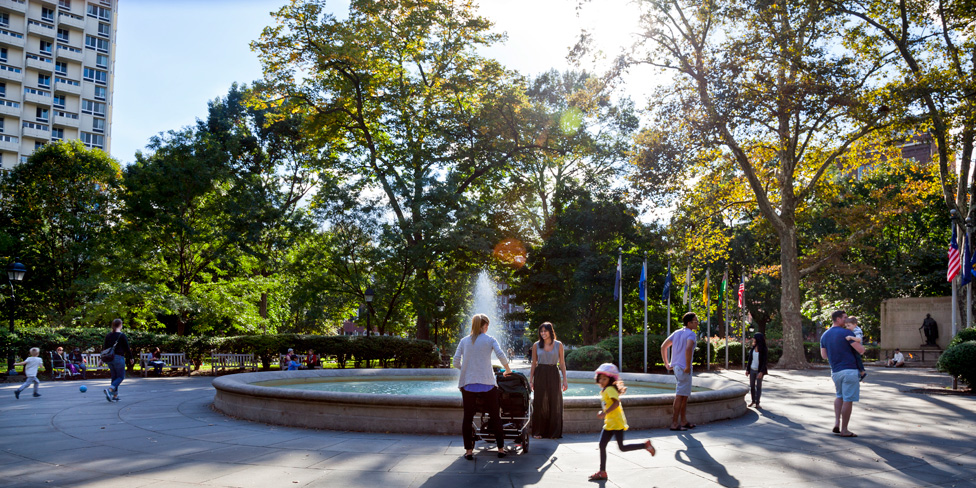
[(164, 434)]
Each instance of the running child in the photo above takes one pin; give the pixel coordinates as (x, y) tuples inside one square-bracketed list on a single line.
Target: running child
[(30, 369), (614, 421)]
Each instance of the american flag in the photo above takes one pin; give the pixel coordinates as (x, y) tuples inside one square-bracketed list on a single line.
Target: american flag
[(742, 290), (954, 263)]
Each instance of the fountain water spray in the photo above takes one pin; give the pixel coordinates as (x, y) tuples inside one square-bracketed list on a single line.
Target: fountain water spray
[(485, 300)]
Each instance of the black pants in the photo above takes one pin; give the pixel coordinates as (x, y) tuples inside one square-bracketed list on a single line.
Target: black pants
[(486, 402), (755, 385), (605, 439)]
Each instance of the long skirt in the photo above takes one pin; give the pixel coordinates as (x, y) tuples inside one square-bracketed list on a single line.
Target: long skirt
[(547, 403)]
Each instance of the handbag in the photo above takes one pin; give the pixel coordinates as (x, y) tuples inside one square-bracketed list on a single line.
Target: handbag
[(107, 355)]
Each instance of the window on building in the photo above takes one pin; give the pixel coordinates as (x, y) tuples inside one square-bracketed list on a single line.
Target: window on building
[(61, 68), (4, 19), (92, 107), (93, 140), (101, 60), (65, 4), (95, 75), (98, 125), (92, 42), (44, 81), (46, 47), (3, 89), (104, 29), (38, 145), (1, 124), (47, 14), (99, 12), (59, 101), (63, 35), (101, 93), (57, 134), (42, 114), (3, 54)]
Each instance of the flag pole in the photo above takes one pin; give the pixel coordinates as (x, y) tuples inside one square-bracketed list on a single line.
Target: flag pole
[(620, 309), (669, 304), (742, 314), (708, 319), (645, 311), (725, 305)]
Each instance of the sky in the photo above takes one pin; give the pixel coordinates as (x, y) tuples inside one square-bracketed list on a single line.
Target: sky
[(173, 57)]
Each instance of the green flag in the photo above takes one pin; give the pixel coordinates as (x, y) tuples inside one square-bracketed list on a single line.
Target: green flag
[(725, 281)]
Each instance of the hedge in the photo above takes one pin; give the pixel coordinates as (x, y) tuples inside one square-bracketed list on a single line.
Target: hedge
[(964, 335), (634, 351), (588, 358), (960, 360), (390, 351)]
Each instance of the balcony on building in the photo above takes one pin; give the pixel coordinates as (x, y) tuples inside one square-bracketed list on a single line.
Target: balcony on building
[(9, 108), (11, 73), (62, 85), (73, 21), (66, 119), (40, 97), (45, 31), (36, 130), (9, 143), (11, 38), (40, 63), (19, 6), (65, 51)]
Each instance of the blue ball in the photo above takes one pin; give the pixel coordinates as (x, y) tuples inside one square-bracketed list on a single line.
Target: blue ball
[(83, 388)]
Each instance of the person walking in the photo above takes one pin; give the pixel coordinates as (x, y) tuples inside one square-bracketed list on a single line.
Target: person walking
[(30, 365), (116, 365), (682, 345), (841, 354), (756, 367), (548, 366), (477, 382), (614, 420)]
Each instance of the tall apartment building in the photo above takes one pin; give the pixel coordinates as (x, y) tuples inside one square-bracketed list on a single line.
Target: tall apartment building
[(56, 74)]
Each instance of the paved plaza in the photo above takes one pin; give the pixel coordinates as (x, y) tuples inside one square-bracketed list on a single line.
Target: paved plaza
[(163, 433)]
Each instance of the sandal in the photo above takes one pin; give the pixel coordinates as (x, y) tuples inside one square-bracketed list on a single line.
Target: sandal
[(650, 448), (689, 426), (598, 476)]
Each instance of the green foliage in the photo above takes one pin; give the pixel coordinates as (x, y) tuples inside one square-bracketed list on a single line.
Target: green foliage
[(960, 360), (735, 353), (964, 335), (634, 351), (587, 358)]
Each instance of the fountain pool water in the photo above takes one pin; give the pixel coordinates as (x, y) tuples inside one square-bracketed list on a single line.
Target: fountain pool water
[(441, 387)]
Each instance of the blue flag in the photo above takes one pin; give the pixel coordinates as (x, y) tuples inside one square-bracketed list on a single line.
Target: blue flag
[(667, 285), (616, 285), (642, 285), (967, 265)]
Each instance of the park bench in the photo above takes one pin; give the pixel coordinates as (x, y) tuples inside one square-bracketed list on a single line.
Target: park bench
[(282, 360), (172, 360), (224, 361), (93, 362), (59, 372)]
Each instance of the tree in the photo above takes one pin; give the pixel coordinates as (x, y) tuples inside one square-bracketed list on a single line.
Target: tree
[(60, 206), (420, 117), (766, 88)]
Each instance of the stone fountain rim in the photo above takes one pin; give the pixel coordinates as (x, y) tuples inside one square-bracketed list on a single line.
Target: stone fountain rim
[(243, 383)]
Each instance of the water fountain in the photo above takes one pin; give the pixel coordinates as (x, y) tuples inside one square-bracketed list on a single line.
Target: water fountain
[(485, 300)]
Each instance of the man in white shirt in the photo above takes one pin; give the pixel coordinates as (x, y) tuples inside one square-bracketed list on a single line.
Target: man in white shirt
[(898, 361), (682, 345)]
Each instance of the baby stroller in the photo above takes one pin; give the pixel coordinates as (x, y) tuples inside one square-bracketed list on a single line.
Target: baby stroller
[(515, 409)]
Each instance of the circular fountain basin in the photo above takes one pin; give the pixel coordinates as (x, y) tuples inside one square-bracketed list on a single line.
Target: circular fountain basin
[(427, 401)]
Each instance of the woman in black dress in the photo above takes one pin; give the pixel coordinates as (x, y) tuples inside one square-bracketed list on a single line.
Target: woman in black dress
[(548, 361), (756, 360)]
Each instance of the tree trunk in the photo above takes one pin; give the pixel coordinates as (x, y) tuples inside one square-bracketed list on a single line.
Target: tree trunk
[(793, 355), (263, 305), (423, 328)]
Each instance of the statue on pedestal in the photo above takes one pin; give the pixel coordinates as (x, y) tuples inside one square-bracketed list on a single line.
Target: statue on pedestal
[(931, 330)]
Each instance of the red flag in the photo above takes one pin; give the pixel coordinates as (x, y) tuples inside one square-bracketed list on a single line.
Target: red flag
[(742, 291), (954, 263)]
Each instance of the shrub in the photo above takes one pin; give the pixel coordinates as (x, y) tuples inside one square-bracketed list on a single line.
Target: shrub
[(588, 358), (634, 351), (960, 360), (964, 335), (735, 354)]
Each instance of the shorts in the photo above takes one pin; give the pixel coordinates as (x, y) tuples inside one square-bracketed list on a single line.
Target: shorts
[(847, 383), (682, 382)]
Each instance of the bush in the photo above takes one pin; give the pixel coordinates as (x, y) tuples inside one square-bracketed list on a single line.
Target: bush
[(964, 335), (735, 354), (588, 358), (634, 351), (960, 360)]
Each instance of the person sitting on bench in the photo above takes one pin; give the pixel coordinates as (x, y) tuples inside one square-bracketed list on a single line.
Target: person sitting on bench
[(156, 361), (76, 360), (898, 361)]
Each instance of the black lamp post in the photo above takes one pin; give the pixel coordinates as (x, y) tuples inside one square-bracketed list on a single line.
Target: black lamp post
[(15, 272), (369, 308), (440, 312)]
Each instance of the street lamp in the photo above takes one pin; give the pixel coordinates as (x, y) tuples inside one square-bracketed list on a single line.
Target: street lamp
[(15, 272), (440, 311), (369, 307)]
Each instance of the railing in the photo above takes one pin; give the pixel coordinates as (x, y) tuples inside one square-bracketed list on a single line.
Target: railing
[(12, 69), (39, 58), (11, 34), (32, 125), (67, 81), (66, 115), (42, 24), (69, 48), (34, 91)]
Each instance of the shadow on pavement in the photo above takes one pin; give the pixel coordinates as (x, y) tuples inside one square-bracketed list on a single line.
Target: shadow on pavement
[(705, 462)]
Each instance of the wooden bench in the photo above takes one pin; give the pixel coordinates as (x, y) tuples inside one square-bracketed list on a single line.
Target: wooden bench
[(223, 361), (282, 360), (172, 360), (61, 372), (93, 362)]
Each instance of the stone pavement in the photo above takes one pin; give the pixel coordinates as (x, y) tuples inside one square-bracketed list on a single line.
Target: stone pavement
[(163, 433)]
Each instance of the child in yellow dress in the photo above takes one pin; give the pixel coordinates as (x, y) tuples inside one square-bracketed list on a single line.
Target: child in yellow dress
[(614, 421)]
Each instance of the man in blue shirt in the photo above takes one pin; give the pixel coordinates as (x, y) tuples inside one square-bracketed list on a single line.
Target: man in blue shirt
[(841, 354)]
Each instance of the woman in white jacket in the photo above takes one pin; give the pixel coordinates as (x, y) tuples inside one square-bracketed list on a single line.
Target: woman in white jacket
[(477, 382)]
